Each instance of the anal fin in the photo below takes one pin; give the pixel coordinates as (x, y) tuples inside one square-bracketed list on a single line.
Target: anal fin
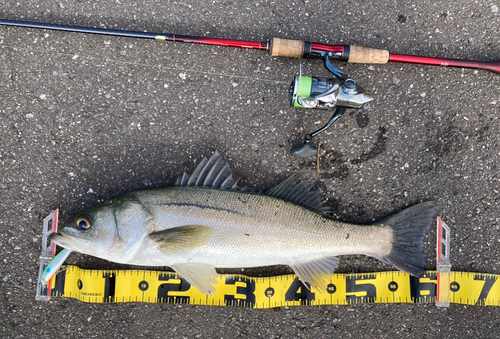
[(312, 272), (200, 276)]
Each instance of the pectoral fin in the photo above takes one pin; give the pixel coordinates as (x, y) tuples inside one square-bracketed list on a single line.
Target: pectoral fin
[(200, 276), (183, 238), (312, 272)]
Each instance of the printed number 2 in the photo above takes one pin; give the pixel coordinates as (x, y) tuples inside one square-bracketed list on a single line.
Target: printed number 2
[(171, 284)]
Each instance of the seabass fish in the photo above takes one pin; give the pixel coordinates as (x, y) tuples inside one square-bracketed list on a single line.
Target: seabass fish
[(205, 222)]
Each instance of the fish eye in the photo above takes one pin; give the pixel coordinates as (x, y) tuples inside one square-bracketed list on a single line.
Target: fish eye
[(84, 222)]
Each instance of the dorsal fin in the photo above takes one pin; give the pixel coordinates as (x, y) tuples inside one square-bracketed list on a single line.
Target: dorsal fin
[(298, 188), (210, 173)]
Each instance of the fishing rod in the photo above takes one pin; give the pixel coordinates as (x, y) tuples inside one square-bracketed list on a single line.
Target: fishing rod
[(282, 47), (339, 93)]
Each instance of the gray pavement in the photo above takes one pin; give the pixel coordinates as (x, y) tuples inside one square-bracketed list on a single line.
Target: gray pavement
[(86, 117)]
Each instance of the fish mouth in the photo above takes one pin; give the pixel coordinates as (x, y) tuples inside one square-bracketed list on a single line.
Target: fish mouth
[(68, 241)]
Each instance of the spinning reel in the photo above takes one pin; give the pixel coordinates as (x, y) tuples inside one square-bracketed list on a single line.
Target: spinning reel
[(339, 93)]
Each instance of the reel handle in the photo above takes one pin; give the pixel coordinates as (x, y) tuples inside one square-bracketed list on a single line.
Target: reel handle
[(306, 150)]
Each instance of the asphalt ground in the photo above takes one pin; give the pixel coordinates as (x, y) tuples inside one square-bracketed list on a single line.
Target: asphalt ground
[(86, 117)]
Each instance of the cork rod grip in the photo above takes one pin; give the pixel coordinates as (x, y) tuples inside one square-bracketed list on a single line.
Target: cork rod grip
[(286, 48), (365, 55)]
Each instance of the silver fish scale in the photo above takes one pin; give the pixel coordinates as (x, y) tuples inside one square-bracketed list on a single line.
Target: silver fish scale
[(253, 229)]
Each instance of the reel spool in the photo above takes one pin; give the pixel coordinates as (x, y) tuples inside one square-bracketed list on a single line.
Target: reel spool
[(340, 93)]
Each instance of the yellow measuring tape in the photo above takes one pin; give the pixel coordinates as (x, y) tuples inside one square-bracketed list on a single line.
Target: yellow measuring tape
[(117, 286)]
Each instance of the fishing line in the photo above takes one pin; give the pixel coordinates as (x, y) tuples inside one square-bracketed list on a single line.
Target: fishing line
[(130, 63)]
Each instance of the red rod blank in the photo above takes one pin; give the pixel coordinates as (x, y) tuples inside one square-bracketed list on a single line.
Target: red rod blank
[(493, 66)]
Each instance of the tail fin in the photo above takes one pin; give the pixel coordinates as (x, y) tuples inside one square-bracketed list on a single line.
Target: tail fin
[(408, 230)]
